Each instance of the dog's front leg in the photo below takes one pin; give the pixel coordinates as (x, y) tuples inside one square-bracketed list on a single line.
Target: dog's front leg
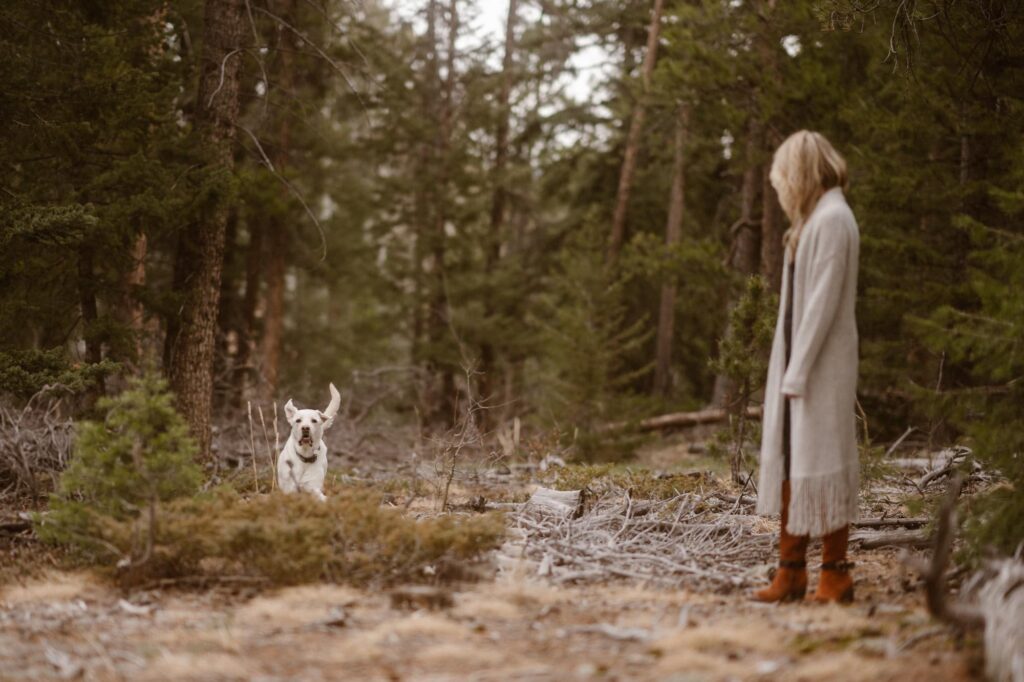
[(286, 479)]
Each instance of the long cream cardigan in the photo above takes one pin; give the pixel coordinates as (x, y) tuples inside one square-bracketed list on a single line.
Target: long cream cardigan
[(821, 378)]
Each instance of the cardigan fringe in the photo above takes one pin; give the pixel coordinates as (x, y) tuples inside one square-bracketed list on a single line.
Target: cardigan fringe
[(822, 504)]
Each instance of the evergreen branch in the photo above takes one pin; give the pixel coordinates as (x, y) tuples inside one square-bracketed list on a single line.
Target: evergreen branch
[(334, 64)]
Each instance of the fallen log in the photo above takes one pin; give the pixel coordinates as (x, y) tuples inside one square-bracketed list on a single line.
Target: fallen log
[(898, 538), (676, 420)]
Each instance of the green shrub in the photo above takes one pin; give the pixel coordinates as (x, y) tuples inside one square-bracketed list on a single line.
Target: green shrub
[(295, 539), (291, 539)]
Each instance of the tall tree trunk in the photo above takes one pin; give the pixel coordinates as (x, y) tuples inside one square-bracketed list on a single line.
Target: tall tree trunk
[(244, 372), (636, 126), (278, 236), (90, 313), (87, 303), (499, 199), (745, 251), (673, 233), (772, 224), (227, 318), (201, 247), (273, 312), (443, 398), (421, 220), (772, 229), (129, 311)]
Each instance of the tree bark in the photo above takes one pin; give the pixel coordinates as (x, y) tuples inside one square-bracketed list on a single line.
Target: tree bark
[(673, 233), (132, 311), (201, 247), (772, 229), (772, 224), (636, 127), (488, 355)]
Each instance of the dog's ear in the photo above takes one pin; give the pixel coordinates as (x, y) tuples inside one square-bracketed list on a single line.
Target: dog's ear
[(289, 410), (328, 420)]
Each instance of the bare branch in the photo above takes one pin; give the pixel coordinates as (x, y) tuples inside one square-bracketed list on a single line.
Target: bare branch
[(291, 188)]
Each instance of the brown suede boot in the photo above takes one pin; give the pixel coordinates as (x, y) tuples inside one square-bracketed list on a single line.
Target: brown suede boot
[(790, 581), (835, 583)]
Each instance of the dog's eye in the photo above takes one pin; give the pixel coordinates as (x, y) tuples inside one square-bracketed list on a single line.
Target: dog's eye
[(316, 421)]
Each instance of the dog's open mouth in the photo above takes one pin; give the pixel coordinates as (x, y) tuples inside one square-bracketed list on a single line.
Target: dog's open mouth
[(306, 441)]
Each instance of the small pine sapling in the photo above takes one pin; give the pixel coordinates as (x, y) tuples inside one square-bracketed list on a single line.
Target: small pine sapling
[(138, 456), (743, 357)]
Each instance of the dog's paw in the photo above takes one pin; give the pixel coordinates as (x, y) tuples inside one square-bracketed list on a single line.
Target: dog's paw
[(320, 496)]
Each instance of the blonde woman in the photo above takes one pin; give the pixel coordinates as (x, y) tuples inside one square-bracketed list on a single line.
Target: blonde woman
[(809, 468)]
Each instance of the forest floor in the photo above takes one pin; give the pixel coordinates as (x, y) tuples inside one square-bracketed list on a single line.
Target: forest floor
[(511, 624)]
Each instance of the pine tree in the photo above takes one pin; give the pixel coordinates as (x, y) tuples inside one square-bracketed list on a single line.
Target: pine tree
[(588, 341), (94, 160)]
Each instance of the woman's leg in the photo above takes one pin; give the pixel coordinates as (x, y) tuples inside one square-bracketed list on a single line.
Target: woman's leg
[(790, 581), (835, 583)]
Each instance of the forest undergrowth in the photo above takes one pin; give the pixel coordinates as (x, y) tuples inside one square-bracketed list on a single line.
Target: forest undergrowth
[(485, 575)]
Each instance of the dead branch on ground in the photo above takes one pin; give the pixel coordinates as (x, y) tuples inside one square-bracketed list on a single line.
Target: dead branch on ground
[(677, 420), (35, 444)]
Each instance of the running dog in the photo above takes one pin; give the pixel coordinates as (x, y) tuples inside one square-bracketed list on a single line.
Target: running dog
[(302, 463)]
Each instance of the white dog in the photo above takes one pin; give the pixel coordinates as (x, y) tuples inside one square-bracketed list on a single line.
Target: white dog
[(302, 464)]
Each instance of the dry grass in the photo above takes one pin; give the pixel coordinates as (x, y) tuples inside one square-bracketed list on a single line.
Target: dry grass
[(50, 586), (290, 539)]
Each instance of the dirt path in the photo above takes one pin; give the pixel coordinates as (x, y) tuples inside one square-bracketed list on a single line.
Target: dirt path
[(69, 625)]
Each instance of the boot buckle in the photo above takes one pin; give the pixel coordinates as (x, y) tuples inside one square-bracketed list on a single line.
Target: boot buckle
[(837, 566)]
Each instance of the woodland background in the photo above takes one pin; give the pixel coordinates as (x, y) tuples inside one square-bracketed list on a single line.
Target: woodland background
[(254, 197)]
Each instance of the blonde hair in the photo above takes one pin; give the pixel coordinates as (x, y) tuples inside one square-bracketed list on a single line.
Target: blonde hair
[(805, 166)]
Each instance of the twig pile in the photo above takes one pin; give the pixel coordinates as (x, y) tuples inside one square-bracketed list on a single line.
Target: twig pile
[(690, 540), (35, 444)]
